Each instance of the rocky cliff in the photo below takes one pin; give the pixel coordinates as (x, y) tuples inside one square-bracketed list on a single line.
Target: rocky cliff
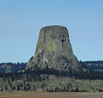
[(54, 50)]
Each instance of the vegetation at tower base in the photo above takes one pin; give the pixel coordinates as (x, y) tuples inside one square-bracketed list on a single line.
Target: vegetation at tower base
[(52, 80)]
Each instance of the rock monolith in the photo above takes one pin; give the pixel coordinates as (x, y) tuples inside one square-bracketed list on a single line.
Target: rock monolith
[(54, 50)]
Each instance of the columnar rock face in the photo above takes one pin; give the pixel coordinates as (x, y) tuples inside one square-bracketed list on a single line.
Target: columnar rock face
[(54, 50)]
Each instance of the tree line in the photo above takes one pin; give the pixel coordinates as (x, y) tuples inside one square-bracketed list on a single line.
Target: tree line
[(30, 73)]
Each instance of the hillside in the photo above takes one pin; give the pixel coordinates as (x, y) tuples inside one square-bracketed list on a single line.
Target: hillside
[(12, 67), (93, 65)]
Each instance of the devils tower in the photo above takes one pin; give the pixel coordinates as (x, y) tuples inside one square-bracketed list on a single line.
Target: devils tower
[(54, 50)]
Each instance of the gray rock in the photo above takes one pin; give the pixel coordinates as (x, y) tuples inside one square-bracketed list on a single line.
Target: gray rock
[(54, 50)]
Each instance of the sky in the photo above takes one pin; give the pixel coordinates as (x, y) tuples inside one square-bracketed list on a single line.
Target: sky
[(21, 21)]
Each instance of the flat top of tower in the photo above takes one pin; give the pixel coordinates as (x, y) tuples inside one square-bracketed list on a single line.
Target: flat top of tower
[(54, 27)]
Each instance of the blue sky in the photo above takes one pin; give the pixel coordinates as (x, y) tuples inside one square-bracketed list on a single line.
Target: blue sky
[(21, 20)]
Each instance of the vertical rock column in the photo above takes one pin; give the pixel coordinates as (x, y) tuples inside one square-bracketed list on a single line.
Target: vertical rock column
[(54, 50)]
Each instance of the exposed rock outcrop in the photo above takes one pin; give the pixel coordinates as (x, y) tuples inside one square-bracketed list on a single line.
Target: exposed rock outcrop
[(54, 50)]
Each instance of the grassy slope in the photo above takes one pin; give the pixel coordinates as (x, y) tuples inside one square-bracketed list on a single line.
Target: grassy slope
[(61, 83)]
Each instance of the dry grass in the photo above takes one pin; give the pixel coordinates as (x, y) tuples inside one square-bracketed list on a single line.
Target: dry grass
[(31, 94)]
